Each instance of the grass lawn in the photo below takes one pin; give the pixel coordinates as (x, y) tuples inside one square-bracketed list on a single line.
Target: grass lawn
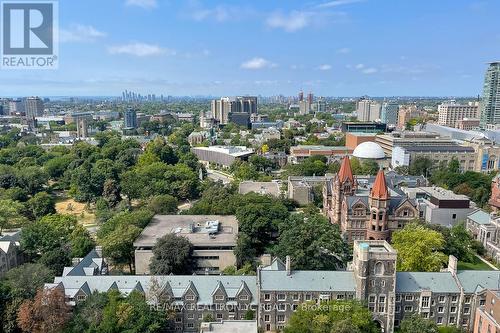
[(71, 207), (476, 266)]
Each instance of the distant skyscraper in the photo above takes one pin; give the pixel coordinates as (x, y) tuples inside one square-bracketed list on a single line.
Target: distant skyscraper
[(301, 96), (310, 98), (34, 107), (130, 119), (368, 110), (490, 105), (16, 106), (389, 113)]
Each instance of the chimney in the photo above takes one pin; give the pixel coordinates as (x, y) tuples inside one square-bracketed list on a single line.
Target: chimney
[(288, 266), (452, 264)]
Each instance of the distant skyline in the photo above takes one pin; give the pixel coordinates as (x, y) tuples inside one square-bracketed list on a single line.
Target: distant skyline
[(332, 48)]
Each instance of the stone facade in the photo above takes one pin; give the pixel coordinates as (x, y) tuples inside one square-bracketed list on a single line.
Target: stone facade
[(364, 210)]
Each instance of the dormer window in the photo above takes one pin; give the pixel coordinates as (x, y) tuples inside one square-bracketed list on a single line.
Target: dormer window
[(190, 298), (219, 297)]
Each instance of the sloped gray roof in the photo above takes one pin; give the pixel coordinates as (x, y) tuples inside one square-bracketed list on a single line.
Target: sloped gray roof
[(478, 280), (480, 217), (82, 268), (437, 282), (204, 284), (308, 281), (276, 265)]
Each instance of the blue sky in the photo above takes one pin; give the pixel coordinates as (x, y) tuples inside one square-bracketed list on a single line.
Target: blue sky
[(333, 48)]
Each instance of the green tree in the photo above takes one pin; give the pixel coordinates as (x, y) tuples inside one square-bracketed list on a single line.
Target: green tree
[(24, 281), (10, 214), (415, 323), (172, 255), (81, 242), (421, 166), (163, 204), (41, 204), (419, 249), (118, 244), (313, 243), (333, 316), (56, 260)]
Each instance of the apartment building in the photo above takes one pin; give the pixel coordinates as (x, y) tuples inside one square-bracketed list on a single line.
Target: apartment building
[(450, 113)]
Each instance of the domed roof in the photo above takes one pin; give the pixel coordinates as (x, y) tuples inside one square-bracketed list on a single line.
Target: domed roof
[(369, 150)]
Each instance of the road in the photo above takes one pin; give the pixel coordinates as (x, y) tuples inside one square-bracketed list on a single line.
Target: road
[(218, 175)]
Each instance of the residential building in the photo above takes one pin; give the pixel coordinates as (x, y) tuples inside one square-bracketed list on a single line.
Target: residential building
[(213, 238), (16, 107), (449, 298), (222, 155), (304, 107), (389, 113), (223, 108), (366, 207), (368, 110), (487, 318), (407, 113), (264, 188), (466, 156), (437, 205), (130, 119), (450, 113), (334, 153), (34, 107), (490, 104)]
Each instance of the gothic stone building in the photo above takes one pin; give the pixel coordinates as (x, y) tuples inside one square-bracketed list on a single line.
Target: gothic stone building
[(369, 208), (447, 298)]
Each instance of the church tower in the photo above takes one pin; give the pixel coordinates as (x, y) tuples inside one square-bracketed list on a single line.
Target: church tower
[(343, 184), (379, 200)]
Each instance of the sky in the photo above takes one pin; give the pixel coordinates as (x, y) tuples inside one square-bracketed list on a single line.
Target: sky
[(266, 47)]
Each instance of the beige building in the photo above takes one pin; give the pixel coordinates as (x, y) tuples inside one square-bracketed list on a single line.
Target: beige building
[(368, 110), (487, 154), (450, 113), (407, 113), (213, 238), (410, 139)]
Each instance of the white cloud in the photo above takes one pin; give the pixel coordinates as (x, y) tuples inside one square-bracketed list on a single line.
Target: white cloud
[(142, 3), (337, 3), (291, 22), (140, 50), (360, 66), (325, 67), (80, 33), (370, 70), (257, 63), (344, 50)]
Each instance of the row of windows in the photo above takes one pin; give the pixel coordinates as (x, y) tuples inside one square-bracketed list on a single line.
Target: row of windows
[(307, 297), (440, 298)]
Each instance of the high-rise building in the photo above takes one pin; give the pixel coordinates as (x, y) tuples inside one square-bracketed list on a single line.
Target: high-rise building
[(34, 107), (368, 110), (130, 119), (241, 107), (451, 113), (310, 98), (301, 96), (16, 106), (389, 113), (304, 107), (490, 106)]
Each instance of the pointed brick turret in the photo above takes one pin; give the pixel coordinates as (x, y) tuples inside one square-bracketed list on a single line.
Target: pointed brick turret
[(379, 190), (345, 171)]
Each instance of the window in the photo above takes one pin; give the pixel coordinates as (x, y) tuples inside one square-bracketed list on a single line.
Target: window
[(425, 301), (408, 308), (397, 309), (178, 320), (267, 297), (454, 216), (296, 297), (219, 316), (308, 297), (81, 298), (371, 299), (381, 308), (441, 299), (244, 298), (409, 298), (398, 298), (267, 318), (339, 297), (191, 316), (467, 299), (281, 307), (190, 298), (219, 297), (190, 325), (466, 310), (440, 309), (452, 320), (267, 307), (381, 299), (294, 307), (453, 309), (439, 320), (281, 297), (454, 299), (281, 319)]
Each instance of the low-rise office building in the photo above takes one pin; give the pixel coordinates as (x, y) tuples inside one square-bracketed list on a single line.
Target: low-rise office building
[(302, 189), (410, 139), (264, 188), (437, 205), (299, 153), (466, 156), (213, 238), (222, 156)]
